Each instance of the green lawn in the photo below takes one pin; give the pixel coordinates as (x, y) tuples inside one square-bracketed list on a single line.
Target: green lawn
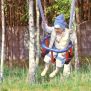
[(16, 80)]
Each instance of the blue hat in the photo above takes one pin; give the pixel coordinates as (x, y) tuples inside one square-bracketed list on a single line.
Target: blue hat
[(60, 22)]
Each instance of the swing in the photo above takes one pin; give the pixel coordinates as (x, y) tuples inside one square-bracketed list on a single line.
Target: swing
[(45, 41), (68, 50)]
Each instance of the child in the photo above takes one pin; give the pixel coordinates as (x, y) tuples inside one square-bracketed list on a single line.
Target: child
[(60, 38)]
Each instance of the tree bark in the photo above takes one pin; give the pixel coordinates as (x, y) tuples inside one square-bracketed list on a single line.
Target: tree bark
[(38, 36), (32, 62), (3, 39), (77, 64)]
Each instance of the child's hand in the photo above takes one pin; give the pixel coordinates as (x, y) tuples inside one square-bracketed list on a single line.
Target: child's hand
[(43, 25)]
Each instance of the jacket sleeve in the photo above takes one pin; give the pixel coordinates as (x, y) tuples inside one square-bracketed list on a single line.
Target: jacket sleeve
[(47, 28), (52, 39)]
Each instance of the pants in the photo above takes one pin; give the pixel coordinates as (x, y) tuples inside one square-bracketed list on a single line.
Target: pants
[(60, 59)]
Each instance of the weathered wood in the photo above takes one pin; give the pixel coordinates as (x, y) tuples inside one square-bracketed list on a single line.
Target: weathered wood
[(15, 24), (84, 10), (84, 38)]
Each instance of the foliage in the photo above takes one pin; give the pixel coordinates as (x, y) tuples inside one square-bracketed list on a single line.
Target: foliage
[(16, 11), (58, 7)]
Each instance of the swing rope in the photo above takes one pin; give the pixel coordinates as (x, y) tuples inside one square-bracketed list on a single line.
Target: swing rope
[(41, 10), (43, 19), (72, 13)]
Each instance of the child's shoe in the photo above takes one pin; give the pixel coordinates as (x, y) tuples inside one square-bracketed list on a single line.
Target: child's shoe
[(44, 72), (53, 74)]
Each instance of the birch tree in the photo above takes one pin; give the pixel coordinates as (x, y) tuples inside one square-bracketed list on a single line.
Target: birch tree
[(32, 61), (3, 39), (38, 35), (72, 19)]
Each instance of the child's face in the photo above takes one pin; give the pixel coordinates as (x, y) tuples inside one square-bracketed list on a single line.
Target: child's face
[(58, 31)]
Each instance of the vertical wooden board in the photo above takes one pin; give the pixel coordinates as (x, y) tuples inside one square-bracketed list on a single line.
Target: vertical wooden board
[(15, 24), (84, 38)]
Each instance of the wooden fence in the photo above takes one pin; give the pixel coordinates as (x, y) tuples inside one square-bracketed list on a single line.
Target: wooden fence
[(84, 38), (16, 32), (84, 10)]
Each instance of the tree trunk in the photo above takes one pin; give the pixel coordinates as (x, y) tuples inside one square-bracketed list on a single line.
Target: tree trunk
[(72, 18), (32, 63), (38, 36), (3, 39), (76, 54)]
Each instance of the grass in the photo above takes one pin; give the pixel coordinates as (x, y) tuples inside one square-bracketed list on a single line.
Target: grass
[(15, 80)]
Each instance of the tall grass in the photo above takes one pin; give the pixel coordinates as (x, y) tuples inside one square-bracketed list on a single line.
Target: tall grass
[(16, 80)]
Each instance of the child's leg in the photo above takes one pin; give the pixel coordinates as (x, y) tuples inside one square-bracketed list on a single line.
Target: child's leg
[(54, 72), (67, 69), (47, 59), (45, 69), (59, 64)]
